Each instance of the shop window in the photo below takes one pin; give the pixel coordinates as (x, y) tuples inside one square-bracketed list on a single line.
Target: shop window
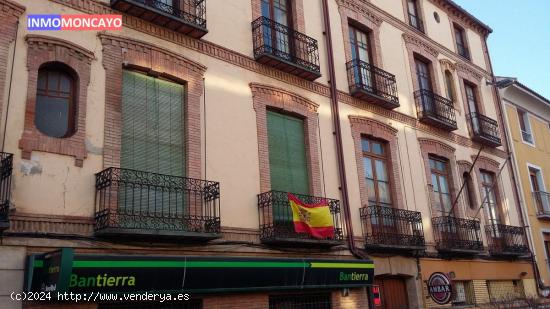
[(463, 293), (55, 108), (300, 301)]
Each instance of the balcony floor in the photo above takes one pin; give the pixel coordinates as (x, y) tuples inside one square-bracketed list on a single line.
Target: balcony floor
[(436, 122), (486, 141), (287, 66), (301, 242), (155, 234), (370, 97)]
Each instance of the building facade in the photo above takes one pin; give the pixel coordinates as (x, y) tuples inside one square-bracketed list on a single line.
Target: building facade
[(181, 135), (527, 120)]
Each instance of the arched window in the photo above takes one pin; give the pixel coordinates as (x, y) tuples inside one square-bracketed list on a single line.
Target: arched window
[(468, 191), (56, 100), (449, 86)]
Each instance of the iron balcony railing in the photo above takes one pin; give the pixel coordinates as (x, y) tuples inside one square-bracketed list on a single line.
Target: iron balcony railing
[(387, 227), (457, 234), (176, 15), (506, 240), (484, 129), (365, 77), (276, 224), (435, 109), (416, 22), (542, 202), (292, 51), (136, 202), (6, 167)]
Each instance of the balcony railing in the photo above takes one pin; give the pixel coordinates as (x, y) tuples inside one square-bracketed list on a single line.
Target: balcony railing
[(277, 227), (485, 130), (435, 110), (184, 16), (457, 235), (286, 49), (542, 202), (386, 228), (132, 203), (372, 84), (506, 240), (6, 167)]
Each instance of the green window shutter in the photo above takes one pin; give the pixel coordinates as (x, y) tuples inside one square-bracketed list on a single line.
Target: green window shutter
[(287, 154), (152, 141)]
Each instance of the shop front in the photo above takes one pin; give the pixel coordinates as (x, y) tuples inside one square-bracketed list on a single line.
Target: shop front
[(193, 282)]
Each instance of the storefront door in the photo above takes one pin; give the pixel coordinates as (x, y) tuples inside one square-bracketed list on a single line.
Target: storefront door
[(393, 293)]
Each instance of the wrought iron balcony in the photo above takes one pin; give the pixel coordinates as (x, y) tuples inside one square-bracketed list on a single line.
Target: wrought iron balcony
[(285, 49), (457, 235), (506, 240), (542, 202), (435, 110), (135, 203), (370, 83), (389, 229), (485, 130), (184, 16), (277, 227), (6, 167)]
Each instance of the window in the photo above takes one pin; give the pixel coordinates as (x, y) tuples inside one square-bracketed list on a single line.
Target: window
[(376, 172), (462, 293), (525, 127), (55, 100), (471, 97), (279, 12), (489, 196), (287, 153), (460, 39), (440, 173), (468, 191), (361, 54), (542, 198), (414, 16), (449, 86), (297, 301)]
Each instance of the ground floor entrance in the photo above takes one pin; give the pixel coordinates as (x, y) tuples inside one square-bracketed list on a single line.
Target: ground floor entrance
[(393, 292)]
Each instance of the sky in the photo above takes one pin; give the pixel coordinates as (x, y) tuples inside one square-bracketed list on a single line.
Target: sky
[(520, 43)]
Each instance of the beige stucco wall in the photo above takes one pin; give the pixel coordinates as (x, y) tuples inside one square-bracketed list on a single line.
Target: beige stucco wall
[(61, 188)]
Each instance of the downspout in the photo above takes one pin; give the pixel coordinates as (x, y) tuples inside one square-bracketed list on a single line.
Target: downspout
[(335, 114), (511, 169)]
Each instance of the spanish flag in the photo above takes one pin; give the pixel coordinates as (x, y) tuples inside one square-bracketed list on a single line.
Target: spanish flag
[(312, 219)]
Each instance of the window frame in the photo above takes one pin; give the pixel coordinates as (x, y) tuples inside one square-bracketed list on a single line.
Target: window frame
[(59, 68), (384, 158), (448, 177), (462, 49), (416, 15), (469, 197), (526, 132), (492, 188)]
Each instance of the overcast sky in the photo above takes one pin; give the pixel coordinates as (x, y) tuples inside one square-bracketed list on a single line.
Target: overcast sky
[(520, 43)]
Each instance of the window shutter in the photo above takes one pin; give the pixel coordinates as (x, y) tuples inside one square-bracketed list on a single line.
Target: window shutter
[(152, 141), (287, 155)]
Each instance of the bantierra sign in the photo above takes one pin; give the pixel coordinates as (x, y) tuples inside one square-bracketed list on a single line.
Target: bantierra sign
[(65, 271)]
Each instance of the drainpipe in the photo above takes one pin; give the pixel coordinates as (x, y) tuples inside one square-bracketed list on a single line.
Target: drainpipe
[(335, 114), (511, 169)]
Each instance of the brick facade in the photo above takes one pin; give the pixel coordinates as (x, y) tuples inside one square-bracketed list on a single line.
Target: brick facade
[(124, 53), (9, 16), (42, 50), (268, 97), (362, 126)]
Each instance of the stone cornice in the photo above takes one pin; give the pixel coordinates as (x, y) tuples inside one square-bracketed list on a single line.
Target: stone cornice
[(415, 40), (464, 18), (9, 8), (360, 120), (41, 41), (360, 8), (436, 144)]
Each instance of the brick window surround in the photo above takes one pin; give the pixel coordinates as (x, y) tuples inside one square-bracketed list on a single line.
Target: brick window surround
[(122, 53), (42, 50), (361, 17), (267, 97), (439, 149), (465, 74), (362, 127), (9, 15), (418, 47), (297, 10)]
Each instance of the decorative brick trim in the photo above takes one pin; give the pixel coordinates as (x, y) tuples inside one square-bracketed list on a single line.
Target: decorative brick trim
[(35, 223), (297, 13), (466, 20), (120, 53), (9, 16), (265, 97), (434, 147), (248, 63), (362, 126), (418, 47), (362, 17), (44, 49)]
